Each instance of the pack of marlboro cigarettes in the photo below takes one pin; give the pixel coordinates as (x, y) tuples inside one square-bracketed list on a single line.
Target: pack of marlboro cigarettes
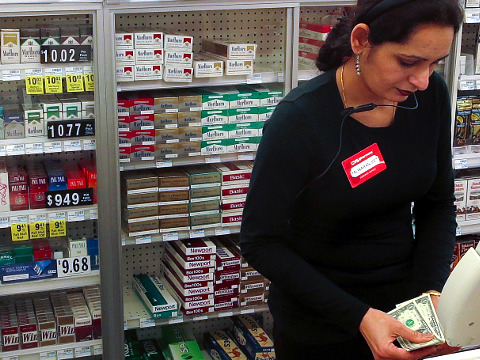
[(27, 323), (82, 316), (47, 326), (9, 329), (64, 317), (312, 37), (194, 289)]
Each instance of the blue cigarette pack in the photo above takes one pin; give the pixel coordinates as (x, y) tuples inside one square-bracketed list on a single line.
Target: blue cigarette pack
[(252, 339), (37, 270)]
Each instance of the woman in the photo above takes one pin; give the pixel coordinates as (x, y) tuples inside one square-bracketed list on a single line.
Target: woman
[(328, 215)]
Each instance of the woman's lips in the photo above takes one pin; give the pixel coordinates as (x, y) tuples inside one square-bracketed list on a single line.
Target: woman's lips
[(404, 92)]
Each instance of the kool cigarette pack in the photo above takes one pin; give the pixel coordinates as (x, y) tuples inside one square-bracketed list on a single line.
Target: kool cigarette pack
[(230, 49), (178, 343), (155, 297), (252, 339), (220, 345)]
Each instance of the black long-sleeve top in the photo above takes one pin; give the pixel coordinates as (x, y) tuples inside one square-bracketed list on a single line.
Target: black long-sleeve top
[(335, 251)]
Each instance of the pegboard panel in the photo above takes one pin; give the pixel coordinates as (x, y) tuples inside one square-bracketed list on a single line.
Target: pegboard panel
[(141, 259), (469, 38), (265, 27), (313, 14)]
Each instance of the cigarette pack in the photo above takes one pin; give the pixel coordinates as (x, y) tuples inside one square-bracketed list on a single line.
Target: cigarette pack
[(148, 72), (189, 250), (270, 95), (165, 211), (152, 293), (230, 49), (37, 270), (213, 100), (224, 291), (235, 172), (220, 345), (189, 101), (214, 147), (178, 42), (175, 270), (167, 136), (473, 199), (233, 219), (187, 292), (265, 112), (177, 73), (30, 45), (4, 188), (124, 40), (187, 285), (214, 117), (14, 123), (179, 343), (142, 152), (165, 196), (205, 220), (228, 304), (460, 198), (187, 265), (88, 105), (199, 311), (241, 96), (187, 272), (236, 66), (243, 115), (252, 339), (148, 39), (181, 58), (50, 35), (185, 299), (234, 191), (309, 45), (138, 182), (52, 107), (165, 120), (203, 175), (226, 259), (205, 192), (125, 72), (10, 46), (233, 204), (125, 56), (204, 205), (179, 222), (205, 66), (243, 144), (215, 132), (314, 31), (151, 56)]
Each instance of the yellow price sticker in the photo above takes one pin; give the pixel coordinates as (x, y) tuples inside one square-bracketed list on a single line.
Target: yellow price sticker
[(89, 82), (58, 228), (34, 85), (75, 83), (19, 232), (53, 84), (38, 230)]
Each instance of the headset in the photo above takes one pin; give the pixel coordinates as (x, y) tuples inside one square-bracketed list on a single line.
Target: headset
[(379, 9)]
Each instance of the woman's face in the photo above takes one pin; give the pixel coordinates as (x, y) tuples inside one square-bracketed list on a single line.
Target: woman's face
[(393, 71)]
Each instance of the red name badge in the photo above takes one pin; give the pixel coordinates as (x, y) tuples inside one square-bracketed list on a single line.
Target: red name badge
[(364, 165)]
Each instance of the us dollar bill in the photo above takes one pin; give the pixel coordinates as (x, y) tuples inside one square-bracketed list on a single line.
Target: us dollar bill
[(410, 316), (427, 309)]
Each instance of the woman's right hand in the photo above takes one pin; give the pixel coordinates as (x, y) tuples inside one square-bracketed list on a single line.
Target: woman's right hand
[(380, 330)]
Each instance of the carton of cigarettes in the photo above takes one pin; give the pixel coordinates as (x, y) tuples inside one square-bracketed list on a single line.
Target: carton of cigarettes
[(124, 40), (230, 49), (148, 39), (176, 73), (148, 72), (205, 66), (152, 56), (178, 42)]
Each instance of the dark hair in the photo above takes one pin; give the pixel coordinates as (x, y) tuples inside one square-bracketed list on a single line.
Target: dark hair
[(394, 25)]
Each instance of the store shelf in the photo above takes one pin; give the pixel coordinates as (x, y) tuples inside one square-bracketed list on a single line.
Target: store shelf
[(472, 16), (256, 78), (179, 235), (304, 75), (28, 287), (59, 351), (16, 72), (468, 227), (43, 145), (136, 316), (468, 82), (466, 161), (194, 160)]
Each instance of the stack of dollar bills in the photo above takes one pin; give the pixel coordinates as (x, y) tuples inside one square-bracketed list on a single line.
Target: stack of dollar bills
[(419, 315)]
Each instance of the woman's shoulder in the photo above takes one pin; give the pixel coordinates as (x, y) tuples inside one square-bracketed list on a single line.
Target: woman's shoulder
[(312, 88)]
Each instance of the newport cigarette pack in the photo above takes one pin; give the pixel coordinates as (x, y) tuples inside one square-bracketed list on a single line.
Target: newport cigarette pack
[(187, 292), (174, 269), (148, 39), (187, 285), (226, 259), (179, 247), (151, 291), (188, 265), (252, 339), (230, 49), (220, 345), (151, 56), (206, 67), (242, 115)]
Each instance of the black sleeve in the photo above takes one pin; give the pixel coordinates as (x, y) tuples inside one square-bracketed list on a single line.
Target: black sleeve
[(281, 169), (435, 221)]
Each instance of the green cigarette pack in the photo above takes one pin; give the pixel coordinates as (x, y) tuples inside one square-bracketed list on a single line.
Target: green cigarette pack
[(178, 343)]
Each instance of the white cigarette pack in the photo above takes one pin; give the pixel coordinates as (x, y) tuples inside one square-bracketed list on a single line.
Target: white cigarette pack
[(178, 42), (178, 58), (10, 45), (124, 40), (177, 74), (125, 56), (125, 73), (148, 72), (230, 49), (153, 56), (461, 198), (148, 38), (205, 66)]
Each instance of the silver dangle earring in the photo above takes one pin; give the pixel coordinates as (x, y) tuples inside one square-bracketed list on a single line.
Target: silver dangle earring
[(357, 66)]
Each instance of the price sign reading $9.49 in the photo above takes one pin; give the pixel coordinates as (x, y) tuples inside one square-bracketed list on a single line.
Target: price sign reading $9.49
[(76, 197)]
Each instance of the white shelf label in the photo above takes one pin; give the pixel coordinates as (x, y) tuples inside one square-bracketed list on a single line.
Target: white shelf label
[(194, 109), (213, 159), (72, 145), (74, 70), (35, 148), (75, 266), (3, 150), (52, 147), (197, 234), (11, 75), (37, 218), (461, 164), (247, 311), (57, 216), (18, 219), (219, 232), (16, 149), (65, 354), (98, 349), (472, 17), (88, 69), (459, 231), (49, 355), (33, 72), (243, 157), (4, 222), (170, 237), (254, 78), (225, 314), (89, 145), (83, 351), (77, 215), (143, 240), (125, 325), (10, 358), (162, 164), (176, 320), (147, 112), (93, 214), (147, 322), (200, 317)]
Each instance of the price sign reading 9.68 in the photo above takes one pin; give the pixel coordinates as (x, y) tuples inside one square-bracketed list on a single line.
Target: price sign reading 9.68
[(73, 266)]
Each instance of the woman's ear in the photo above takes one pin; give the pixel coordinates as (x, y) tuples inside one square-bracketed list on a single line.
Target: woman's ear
[(359, 38)]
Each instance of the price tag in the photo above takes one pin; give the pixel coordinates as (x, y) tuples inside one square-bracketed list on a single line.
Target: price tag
[(459, 231), (225, 314), (243, 157), (72, 145), (199, 318), (176, 320), (16, 149), (93, 214), (98, 349), (254, 78), (11, 75), (197, 234), (77, 215), (147, 322), (54, 54), (3, 150), (34, 81), (89, 145), (19, 228), (10, 358), (162, 164), (170, 237), (75, 266), (280, 76), (461, 164), (54, 81), (37, 225), (49, 355), (88, 78), (4, 222), (70, 128), (65, 354), (125, 325), (213, 159), (247, 311), (74, 78), (52, 147), (219, 232), (35, 148), (74, 197), (143, 240), (82, 351), (57, 225)]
